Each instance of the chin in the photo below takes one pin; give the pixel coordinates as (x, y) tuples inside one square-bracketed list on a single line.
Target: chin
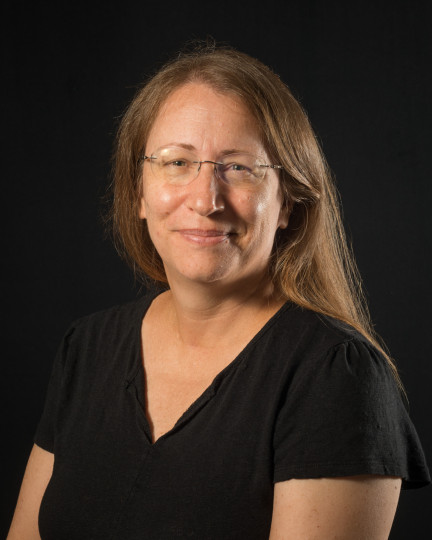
[(201, 274), (206, 277)]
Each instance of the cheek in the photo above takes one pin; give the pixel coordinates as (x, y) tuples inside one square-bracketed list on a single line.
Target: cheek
[(157, 202), (260, 210)]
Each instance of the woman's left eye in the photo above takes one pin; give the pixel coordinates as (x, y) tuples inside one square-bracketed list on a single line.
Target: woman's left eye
[(236, 167), (178, 163)]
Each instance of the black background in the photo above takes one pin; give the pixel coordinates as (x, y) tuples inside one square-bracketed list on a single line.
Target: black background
[(361, 70)]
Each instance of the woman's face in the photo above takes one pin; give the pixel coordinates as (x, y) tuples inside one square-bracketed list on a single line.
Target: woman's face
[(209, 231)]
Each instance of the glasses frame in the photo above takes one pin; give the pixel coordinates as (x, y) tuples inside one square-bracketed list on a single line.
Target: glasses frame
[(215, 163)]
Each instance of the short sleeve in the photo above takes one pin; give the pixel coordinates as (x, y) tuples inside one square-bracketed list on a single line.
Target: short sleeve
[(345, 416), (45, 432)]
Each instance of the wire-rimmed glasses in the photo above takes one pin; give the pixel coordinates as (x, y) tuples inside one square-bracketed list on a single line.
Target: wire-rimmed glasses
[(179, 166)]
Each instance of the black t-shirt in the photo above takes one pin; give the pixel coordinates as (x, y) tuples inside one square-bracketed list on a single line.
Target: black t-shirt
[(307, 398)]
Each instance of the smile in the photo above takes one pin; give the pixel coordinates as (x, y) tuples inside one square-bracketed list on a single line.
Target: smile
[(204, 237)]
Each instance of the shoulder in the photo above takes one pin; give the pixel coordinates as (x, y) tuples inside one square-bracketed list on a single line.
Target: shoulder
[(307, 357), (112, 321), (308, 324), (340, 410), (103, 338), (323, 360), (313, 340)]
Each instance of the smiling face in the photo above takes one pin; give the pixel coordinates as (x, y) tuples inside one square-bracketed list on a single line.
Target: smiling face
[(209, 231)]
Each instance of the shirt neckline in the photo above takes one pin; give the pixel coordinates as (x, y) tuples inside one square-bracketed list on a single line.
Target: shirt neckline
[(137, 377)]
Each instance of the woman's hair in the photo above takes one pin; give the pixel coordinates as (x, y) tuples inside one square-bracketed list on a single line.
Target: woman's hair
[(311, 264)]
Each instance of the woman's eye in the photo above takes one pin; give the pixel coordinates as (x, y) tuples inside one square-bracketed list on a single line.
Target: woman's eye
[(177, 163), (238, 167)]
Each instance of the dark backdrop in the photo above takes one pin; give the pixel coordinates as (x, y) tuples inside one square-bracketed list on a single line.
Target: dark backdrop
[(362, 71)]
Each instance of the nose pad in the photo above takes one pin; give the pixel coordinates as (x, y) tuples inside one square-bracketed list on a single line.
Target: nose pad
[(205, 196)]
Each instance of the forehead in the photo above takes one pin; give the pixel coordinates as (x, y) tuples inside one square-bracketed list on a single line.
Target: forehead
[(198, 115)]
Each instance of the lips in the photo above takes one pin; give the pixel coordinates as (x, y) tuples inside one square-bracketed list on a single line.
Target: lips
[(205, 232), (204, 237)]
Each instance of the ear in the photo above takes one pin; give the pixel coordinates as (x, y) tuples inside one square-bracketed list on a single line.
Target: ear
[(142, 209), (284, 215)]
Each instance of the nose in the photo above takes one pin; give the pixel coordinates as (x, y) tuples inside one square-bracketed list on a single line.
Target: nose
[(204, 193)]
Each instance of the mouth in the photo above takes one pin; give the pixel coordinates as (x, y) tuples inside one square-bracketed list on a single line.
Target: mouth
[(205, 232), (205, 237)]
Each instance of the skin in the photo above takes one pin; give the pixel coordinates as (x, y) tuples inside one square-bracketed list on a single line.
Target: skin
[(215, 241), (219, 288), (349, 508), (208, 232), (24, 525)]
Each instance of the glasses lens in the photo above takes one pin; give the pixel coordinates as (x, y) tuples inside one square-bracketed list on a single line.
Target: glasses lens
[(241, 170), (174, 165), (178, 166)]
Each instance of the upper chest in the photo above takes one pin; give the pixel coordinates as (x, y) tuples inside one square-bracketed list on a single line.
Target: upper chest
[(177, 374), (175, 378)]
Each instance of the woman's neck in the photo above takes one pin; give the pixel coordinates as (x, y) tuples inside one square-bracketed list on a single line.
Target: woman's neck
[(204, 315)]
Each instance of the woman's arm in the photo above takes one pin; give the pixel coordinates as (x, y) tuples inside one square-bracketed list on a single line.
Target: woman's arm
[(349, 508), (37, 475)]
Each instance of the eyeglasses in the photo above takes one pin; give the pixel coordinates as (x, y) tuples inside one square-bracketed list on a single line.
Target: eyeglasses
[(180, 167)]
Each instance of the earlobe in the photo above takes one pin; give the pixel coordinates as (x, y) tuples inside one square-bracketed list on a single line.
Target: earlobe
[(142, 210), (284, 217), (283, 221)]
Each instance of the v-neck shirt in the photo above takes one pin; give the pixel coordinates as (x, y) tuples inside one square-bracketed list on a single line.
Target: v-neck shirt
[(308, 397)]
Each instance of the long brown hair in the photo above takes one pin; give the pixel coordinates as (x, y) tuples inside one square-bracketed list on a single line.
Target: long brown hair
[(311, 263)]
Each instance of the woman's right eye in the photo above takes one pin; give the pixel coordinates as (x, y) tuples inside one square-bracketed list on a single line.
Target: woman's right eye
[(238, 167), (177, 163)]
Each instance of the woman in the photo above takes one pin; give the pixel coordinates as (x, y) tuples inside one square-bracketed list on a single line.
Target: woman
[(249, 399)]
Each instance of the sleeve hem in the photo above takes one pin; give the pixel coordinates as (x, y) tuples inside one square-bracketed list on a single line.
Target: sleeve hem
[(416, 479), (43, 444)]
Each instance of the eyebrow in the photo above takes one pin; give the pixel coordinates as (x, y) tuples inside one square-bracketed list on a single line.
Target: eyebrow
[(233, 151), (191, 147), (181, 145)]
